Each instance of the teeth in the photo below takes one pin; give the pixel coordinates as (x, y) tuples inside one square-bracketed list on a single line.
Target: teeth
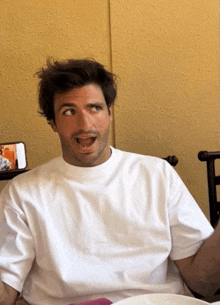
[(83, 138)]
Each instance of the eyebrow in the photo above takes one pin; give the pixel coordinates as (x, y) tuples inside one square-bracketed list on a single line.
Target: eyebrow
[(66, 105), (72, 105)]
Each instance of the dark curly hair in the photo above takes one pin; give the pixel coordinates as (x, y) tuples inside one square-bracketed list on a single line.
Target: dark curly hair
[(62, 76)]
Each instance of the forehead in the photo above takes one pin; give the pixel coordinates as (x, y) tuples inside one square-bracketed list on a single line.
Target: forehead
[(86, 94)]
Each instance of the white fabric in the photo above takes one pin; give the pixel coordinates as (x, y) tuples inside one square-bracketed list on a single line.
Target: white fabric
[(75, 234)]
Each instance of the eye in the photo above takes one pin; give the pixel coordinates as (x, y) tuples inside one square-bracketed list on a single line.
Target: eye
[(96, 108), (69, 112)]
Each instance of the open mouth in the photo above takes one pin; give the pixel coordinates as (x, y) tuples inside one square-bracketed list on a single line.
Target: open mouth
[(85, 141)]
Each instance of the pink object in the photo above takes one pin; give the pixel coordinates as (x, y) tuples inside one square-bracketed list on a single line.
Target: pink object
[(95, 302)]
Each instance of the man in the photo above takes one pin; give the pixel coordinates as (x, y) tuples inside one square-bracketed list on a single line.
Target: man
[(98, 222)]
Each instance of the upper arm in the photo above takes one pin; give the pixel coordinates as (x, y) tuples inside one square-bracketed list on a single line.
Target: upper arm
[(8, 294)]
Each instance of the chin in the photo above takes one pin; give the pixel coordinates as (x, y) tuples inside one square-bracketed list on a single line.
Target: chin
[(91, 161)]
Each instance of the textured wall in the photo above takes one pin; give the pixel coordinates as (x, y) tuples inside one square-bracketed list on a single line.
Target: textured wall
[(166, 54), (30, 32)]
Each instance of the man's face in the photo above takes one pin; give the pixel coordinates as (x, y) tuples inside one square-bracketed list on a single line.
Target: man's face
[(82, 121)]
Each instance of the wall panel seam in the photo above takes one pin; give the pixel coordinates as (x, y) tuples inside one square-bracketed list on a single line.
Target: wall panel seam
[(111, 67)]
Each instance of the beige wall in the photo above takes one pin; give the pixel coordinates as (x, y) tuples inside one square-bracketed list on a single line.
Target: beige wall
[(30, 32), (167, 56), (165, 52)]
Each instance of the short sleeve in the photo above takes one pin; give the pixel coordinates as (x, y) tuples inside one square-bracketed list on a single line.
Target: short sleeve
[(188, 225), (16, 245)]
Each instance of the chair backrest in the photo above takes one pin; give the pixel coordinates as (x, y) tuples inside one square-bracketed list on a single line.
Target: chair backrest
[(173, 160), (213, 180)]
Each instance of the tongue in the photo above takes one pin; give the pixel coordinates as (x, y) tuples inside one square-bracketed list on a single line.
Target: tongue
[(86, 142)]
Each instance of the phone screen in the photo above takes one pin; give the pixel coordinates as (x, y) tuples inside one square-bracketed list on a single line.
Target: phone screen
[(12, 156)]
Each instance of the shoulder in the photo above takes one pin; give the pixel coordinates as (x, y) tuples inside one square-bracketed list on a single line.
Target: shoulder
[(40, 175), (28, 188), (155, 172), (143, 162)]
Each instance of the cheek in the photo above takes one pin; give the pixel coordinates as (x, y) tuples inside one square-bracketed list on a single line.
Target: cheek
[(103, 126), (66, 126)]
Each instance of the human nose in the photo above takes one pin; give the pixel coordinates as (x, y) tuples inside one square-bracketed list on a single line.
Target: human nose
[(84, 121)]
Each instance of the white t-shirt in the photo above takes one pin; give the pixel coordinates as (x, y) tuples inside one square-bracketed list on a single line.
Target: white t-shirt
[(74, 234)]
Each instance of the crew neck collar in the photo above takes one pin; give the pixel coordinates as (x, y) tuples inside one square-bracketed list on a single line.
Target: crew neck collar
[(82, 173)]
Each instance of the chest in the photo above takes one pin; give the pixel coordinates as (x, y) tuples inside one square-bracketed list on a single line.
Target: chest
[(102, 219)]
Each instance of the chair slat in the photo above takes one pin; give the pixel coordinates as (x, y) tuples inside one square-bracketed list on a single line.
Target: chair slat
[(213, 180)]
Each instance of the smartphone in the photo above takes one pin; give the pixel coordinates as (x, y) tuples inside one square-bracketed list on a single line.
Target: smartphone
[(12, 156)]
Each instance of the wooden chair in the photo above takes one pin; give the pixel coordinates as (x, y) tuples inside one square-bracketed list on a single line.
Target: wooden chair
[(213, 180)]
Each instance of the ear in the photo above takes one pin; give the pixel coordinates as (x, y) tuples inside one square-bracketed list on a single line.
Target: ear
[(53, 125)]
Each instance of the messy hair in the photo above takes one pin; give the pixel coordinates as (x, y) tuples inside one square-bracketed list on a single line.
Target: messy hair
[(63, 76)]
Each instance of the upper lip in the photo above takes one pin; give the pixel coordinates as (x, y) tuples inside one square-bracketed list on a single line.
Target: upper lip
[(85, 136)]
